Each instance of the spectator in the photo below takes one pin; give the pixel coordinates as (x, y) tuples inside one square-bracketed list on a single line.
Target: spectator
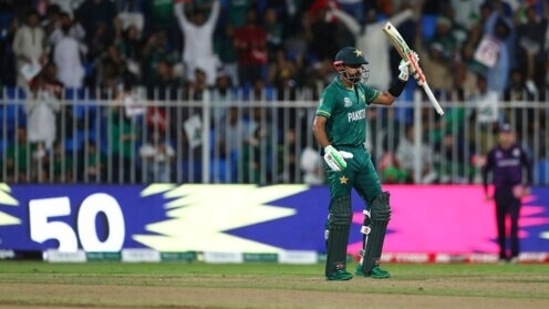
[(257, 149), (283, 75), (91, 163), (321, 32), (158, 156), (41, 107), (390, 170), (156, 50), (61, 165), (312, 166), (51, 82), (66, 56), (111, 66), (531, 47), (518, 92), (231, 133), (97, 16), (121, 144), (18, 158), (486, 114), (500, 31), (225, 48), (454, 160), (129, 48), (30, 47), (275, 31), (466, 12), (237, 11), (221, 97), (434, 63), (166, 83), (198, 31), (67, 26), (445, 38), (97, 45), (407, 154), (288, 154), (250, 41), (159, 16), (464, 81), (198, 88)]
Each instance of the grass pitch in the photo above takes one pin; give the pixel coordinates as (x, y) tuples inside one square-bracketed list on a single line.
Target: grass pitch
[(199, 285)]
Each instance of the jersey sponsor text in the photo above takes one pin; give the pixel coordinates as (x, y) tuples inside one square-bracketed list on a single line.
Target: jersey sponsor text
[(356, 116)]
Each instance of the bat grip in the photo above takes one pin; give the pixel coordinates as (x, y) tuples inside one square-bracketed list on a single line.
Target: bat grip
[(415, 68)]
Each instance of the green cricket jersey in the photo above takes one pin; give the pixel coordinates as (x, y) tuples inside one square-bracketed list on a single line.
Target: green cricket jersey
[(345, 110)]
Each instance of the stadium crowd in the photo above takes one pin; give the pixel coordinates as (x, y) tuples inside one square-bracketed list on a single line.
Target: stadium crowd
[(180, 50)]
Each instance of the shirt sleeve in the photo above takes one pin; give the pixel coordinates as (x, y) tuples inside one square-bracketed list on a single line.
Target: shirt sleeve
[(327, 104), (370, 94), (487, 168)]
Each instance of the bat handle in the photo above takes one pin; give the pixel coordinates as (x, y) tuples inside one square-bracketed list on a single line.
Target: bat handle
[(432, 98)]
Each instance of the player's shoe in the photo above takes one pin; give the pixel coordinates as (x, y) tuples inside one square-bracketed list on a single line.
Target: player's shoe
[(340, 275), (376, 272)]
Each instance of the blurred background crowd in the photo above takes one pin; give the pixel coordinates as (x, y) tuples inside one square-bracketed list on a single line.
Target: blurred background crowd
[(187, 50)]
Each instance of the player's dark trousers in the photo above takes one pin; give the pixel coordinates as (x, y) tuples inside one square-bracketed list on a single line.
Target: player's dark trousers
[(507, 205)]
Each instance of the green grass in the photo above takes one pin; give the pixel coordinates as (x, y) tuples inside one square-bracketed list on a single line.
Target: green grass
[(528, 282), (401, 271)]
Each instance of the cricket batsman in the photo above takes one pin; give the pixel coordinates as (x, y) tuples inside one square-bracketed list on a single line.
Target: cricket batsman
[(340, 128)]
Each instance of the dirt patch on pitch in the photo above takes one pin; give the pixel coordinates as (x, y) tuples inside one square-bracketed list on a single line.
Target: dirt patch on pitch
[(321, 295)]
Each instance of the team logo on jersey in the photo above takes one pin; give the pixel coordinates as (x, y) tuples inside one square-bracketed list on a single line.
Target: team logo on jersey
[(516, 152), (347, 102), (499, 154)]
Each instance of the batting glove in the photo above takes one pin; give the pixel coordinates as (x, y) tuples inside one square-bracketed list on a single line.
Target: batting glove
[(404, 68), (417, 76), (336, 159)]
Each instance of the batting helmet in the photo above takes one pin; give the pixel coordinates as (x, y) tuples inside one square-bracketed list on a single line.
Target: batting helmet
[(350, 56)]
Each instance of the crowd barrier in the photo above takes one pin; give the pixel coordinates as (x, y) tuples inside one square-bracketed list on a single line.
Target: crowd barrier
[(245, 136)]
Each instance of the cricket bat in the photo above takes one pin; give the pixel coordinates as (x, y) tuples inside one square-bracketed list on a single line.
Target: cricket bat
[(408, 55)]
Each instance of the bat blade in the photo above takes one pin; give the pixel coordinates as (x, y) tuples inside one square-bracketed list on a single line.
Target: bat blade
[(408, 55), (397, 40)]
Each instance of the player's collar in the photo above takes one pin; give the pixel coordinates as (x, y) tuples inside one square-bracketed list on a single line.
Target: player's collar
[(342, 84)]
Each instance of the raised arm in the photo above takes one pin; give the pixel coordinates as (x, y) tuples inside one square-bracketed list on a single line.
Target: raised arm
[(401, 17), (179, 11), (347, 20), (397, 87), (214, 14)]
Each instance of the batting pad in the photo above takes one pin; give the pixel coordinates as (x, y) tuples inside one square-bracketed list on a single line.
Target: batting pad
[(339, 225), (380, 215)]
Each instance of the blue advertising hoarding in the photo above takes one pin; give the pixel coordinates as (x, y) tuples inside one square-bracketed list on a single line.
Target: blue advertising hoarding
[(249, 218)]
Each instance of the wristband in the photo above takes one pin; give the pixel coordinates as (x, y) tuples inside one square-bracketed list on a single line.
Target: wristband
[(397, 87)]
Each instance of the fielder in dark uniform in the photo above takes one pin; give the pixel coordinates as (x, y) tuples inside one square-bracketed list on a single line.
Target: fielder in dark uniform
[(507, 162), (340, 128)]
